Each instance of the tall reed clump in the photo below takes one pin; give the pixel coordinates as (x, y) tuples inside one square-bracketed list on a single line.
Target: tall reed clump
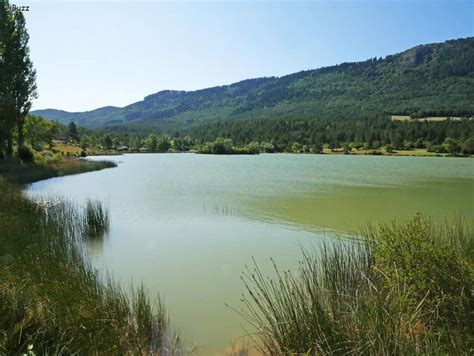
[(96, 219), (402, 289), (53, 301)]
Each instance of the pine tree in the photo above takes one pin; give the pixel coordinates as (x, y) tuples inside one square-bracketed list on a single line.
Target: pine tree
[(72, 132)]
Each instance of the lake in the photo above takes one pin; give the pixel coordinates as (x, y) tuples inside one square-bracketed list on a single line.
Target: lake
[(186, 224)]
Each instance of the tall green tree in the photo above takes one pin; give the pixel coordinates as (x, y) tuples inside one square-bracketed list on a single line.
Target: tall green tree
[(7, 120), (39, 131), (106, 141), (24, 85), (17, 77), (151, 143), (452, 146), (72, 132)]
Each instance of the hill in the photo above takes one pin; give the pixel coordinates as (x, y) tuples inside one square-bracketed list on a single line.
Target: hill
[(427, 80)]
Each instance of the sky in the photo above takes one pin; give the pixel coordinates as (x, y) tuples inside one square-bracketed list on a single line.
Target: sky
[(90, 54)]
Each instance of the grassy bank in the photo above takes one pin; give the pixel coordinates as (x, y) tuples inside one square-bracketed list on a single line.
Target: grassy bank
[(402, 289), (17, 172), (53, 301)]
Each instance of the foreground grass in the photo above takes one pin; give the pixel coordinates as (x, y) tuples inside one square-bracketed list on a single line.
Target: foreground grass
[(16, 172), (403, 289), (53, 301)]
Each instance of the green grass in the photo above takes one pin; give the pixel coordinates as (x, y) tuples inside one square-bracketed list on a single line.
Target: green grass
[(402, 289), (53, 301)]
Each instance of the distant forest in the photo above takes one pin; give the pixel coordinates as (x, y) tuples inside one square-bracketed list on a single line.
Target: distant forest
[(299, 135)]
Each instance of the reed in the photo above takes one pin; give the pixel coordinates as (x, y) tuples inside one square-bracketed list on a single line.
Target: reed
[(369, 296), (53, 301), (96, 219)]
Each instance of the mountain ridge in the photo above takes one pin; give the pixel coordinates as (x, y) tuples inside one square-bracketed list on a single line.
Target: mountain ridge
[(433, 78)]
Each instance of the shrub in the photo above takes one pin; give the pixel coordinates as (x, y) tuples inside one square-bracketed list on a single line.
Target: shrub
[(431, 267), (25, 154)]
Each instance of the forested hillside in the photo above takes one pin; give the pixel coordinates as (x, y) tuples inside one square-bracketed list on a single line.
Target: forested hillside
[(435, 79)]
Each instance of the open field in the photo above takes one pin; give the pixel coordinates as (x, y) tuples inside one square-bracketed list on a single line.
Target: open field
[(67, 149), (429, 118)]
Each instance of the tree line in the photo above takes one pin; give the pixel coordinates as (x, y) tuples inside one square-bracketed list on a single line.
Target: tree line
[(17, 80), (296, 136)]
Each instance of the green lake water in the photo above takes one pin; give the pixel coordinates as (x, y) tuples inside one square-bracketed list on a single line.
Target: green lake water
[(186, 225)]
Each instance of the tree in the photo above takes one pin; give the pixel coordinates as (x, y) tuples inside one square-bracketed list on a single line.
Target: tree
[(468, 146), (452, 146), (267, 147), (7, 109), (3, 126), (39, 131), (134, 143), (317, 148), (17, 76), (296, 147), (24, 89), (151, 143), (106, 141), (345, 148), (72, 133), (163, 144), (419, 143)]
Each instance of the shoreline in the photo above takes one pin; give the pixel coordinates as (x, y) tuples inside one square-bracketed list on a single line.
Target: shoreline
[(400, 153), (20, 173)]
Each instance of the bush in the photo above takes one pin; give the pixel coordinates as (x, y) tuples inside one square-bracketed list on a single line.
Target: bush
[(25, 154), (452, 146), (432, 267)]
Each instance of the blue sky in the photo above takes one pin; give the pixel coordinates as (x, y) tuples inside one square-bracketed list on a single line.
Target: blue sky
[(90, 54)]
